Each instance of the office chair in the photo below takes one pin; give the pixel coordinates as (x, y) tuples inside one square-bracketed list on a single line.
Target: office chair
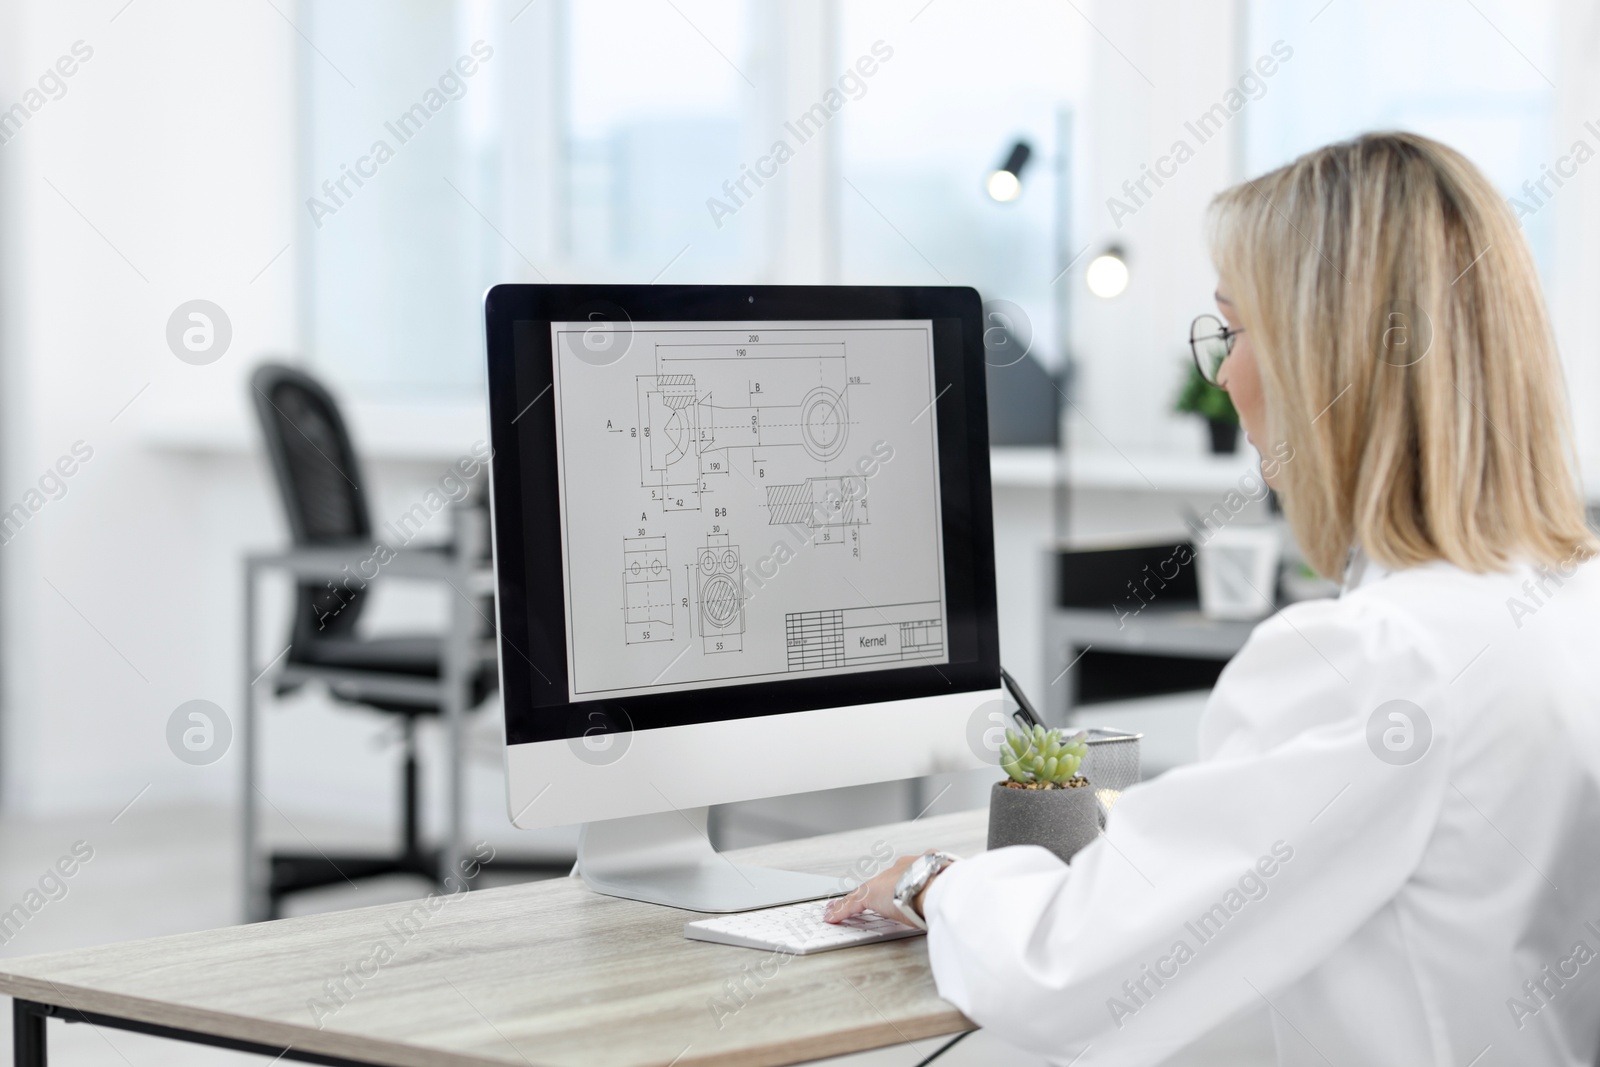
[(324, 498)]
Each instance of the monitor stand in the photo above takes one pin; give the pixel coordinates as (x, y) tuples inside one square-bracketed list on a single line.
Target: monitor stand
[(667, 858)]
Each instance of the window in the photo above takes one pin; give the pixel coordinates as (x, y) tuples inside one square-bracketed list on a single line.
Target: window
[(657, 106), (583, 146), (1477, 77), (394, 142), (965, 82)]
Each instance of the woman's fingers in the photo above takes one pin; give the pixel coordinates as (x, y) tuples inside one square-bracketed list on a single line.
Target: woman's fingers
[(843, 907), (875, 894)]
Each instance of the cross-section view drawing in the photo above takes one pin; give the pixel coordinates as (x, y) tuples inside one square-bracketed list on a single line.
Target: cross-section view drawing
[(646, 590), (817, 502), (719, 579)]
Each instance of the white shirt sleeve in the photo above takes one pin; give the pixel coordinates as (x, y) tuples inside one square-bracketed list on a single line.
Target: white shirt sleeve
[(1219, 882)]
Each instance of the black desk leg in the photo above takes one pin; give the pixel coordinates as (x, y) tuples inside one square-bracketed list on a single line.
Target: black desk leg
[(28, 1034)]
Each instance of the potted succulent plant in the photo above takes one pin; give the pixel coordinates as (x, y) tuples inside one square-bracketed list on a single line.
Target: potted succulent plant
[(1043, 800)]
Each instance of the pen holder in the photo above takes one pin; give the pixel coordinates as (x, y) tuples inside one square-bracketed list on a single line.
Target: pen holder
[(1061, 820), (1111, 766)]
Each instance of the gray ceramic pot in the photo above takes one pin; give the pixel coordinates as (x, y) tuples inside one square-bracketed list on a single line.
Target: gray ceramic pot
[(1061, 820)]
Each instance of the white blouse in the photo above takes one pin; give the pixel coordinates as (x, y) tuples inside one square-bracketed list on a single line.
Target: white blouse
[(1391, 843)]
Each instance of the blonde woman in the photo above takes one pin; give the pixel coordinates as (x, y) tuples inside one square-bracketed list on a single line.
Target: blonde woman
[(1391, 843)]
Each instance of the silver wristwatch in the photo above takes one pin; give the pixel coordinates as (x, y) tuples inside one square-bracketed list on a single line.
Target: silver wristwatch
[(915, 880)]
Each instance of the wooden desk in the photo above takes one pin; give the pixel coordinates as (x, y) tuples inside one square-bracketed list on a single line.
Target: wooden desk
[(544, 974)]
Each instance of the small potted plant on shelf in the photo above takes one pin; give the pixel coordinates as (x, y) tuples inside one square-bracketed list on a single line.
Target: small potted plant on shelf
[(1200, 397), (1043, 801)]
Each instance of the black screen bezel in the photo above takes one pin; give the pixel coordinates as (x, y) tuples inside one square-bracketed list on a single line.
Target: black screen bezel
[(528, 557)]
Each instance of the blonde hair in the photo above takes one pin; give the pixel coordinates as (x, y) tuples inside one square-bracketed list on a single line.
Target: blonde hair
[(1406, 359)]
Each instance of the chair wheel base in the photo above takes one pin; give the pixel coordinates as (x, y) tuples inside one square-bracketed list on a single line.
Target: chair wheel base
[(296, 872)]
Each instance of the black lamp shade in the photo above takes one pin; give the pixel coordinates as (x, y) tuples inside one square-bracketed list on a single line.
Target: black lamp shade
[(1021, 152)]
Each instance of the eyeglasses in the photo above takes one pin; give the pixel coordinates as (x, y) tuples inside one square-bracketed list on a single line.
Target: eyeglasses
[(1210, 341)]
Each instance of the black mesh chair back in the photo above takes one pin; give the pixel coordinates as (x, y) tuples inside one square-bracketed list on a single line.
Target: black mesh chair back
[(321, 485)]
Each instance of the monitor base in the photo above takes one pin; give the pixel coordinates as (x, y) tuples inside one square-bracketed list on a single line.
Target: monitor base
[(666, 858)]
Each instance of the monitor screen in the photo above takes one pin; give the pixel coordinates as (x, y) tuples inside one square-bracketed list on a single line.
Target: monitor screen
[(747, 501), (721, 502)]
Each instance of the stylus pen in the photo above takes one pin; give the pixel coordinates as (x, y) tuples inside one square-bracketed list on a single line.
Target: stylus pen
[(1025, 714)]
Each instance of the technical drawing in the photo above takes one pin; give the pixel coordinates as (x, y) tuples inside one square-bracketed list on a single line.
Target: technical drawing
[(721, 398), (646, 590), (817, 502), (720, 595), (774, 486), (670, 441)]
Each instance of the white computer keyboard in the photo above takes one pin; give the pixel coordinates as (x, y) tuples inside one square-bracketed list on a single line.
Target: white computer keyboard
[(796, 928)]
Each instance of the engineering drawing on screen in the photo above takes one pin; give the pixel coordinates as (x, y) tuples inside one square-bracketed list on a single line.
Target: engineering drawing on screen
[(690, 422), (775, 490), (646, 590)]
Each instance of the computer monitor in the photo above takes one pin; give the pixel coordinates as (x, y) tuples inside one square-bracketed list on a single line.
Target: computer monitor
[(743, 548)]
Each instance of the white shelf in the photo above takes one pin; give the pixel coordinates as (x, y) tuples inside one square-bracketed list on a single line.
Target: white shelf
[(1150, 472), (1160, 472), (423, 431)]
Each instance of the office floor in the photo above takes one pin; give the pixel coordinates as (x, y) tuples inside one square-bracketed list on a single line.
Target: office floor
[(162, 871)]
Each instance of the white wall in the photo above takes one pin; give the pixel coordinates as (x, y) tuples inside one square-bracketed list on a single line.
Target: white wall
[(172, 144), (175, 143), (1576, 273)]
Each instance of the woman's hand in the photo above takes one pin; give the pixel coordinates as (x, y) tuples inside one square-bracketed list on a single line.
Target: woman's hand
[(875, 894)]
